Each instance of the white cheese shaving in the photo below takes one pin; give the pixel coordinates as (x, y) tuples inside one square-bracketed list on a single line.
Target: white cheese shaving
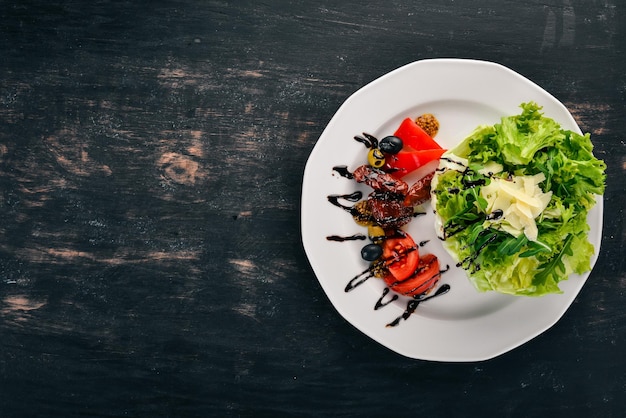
[(521, 201)]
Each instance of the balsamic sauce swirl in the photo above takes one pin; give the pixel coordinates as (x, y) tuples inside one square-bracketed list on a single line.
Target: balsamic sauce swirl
[(370, 141)]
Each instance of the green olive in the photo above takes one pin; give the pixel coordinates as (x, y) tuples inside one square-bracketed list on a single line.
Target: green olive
[(375, 233), (376, 158)]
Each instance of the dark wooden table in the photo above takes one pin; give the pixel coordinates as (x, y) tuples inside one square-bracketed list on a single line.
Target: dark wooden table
[(151, 161)]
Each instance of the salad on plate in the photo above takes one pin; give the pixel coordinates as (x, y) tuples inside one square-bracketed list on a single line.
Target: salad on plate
[(499, 220), (511, 203)]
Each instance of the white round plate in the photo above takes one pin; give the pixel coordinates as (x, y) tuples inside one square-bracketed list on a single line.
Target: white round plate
[(463, 324)]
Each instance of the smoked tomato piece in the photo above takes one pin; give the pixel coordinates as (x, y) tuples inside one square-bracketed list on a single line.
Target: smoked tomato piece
[(420, 281), (419, 192), (405, 162), (389, 212), (400, 255), (413, 136)]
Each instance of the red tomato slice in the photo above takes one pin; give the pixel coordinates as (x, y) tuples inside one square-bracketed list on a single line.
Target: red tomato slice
[(421, 281), (401, 256), (405, 162), (413, 136)]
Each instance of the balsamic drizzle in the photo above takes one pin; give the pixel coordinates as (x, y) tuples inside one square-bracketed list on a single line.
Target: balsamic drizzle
[(343, 171), (359, 279), (370, 141), (414, 303), (351, 197), (354, 237), (495, 215), (451, 228), (380, 303)]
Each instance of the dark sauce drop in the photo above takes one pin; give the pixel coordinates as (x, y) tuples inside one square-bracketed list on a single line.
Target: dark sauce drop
[(351, 197), (470, 260), (495, 215), (380, 303), (460, 164), (363, 141), (343, 171), (373, 140), (354, 237), (451, 230), (474, 183), (359, 279), (414, 303)]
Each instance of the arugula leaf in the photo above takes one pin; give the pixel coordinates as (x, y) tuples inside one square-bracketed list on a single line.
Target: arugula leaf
[(512, 245), (555, 267)]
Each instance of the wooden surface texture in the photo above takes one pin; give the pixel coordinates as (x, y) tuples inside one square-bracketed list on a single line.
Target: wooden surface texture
[(151, 162)]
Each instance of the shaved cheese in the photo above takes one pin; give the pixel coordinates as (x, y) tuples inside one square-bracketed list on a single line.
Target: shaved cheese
[(490, 168), (521, 201)]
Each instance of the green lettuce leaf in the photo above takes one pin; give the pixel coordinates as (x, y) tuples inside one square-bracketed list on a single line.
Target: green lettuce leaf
[(524, 144)]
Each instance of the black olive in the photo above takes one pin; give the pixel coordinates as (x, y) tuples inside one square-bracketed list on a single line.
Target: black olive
[(390, 144), (371, 252)]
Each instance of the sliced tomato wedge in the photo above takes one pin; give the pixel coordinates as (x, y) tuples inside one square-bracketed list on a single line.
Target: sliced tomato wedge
[(405, 162), (401, 256), (420, 281), (413, 136)]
